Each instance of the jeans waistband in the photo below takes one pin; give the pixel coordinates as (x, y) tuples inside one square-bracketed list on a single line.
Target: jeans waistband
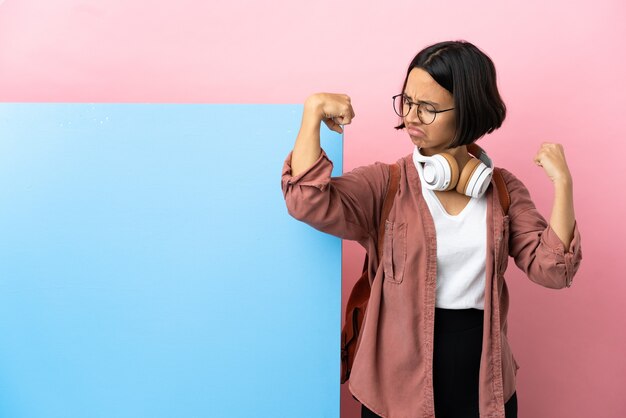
[(457, 320)]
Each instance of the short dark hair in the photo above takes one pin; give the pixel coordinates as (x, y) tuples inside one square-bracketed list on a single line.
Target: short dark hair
[(470, 76)]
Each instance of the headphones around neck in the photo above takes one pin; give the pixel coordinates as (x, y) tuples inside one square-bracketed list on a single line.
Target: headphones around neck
[(441, 171)]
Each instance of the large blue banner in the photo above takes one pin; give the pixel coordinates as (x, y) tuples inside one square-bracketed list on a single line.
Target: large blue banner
[(149, 267)]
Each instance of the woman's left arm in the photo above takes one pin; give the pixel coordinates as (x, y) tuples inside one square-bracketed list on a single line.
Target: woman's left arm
[(549, 253), (551, 158)]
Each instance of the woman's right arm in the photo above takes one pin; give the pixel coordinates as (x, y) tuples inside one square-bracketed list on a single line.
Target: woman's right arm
[(347, 206), (333, 109)]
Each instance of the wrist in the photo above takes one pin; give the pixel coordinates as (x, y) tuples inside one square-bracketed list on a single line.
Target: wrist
[(563, 181), (313, 108)]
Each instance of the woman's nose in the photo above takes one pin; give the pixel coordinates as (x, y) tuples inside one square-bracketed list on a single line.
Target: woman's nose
[(412, 117)]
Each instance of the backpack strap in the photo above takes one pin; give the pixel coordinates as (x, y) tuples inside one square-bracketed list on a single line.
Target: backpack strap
[(503, 192), (392, 189)]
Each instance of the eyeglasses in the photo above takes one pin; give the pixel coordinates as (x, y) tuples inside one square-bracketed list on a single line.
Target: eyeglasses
[(425, 111)]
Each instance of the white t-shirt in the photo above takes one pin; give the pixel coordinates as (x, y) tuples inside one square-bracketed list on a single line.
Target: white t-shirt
[(461, 252)]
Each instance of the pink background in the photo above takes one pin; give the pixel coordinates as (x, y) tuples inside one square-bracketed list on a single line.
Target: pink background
[(560, 70)]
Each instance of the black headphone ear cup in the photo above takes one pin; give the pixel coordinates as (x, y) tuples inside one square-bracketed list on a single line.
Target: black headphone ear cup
[(466, 175), (454, 170)]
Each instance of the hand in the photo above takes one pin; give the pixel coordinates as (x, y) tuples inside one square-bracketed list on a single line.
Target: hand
[(332, 109), (551, 158)]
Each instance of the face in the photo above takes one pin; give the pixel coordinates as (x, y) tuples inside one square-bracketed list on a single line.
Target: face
[(432, 138)]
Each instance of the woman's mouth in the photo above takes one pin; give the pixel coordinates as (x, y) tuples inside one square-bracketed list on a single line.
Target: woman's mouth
[(415, 131)]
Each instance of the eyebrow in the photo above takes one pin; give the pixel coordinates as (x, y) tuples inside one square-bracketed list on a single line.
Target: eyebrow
[(420, 101)]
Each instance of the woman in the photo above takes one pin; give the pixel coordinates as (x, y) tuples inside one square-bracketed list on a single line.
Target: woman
[(433, 341)]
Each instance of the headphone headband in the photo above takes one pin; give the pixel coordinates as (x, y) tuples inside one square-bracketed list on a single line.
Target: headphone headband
[(472, 148), (479, 153)]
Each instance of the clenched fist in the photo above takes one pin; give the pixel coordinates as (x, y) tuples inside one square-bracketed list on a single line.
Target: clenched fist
[(332, 109), (551, 158)]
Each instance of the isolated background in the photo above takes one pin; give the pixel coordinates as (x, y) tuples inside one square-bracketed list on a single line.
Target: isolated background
[(560, 67)]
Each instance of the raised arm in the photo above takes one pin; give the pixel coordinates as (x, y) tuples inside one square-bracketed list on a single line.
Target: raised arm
[(347, 206), (333, 110), (549, 254), (552, 158)]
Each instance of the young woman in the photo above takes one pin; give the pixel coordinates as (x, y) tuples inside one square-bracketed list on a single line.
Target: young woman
[(434, 337)]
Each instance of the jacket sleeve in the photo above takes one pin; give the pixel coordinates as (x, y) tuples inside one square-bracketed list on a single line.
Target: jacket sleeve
[(347, 206), (534, 245)]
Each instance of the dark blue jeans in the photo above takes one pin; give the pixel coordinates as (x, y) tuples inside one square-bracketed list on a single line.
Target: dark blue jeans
[(456, 364)]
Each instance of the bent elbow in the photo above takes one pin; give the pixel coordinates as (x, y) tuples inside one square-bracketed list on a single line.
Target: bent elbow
[(552, 279)]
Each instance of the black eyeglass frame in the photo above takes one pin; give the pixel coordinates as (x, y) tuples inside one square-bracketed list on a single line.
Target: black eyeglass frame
[(435, 111)]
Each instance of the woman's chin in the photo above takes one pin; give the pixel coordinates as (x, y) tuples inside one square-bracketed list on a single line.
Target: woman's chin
[(417, 140), (420, 142), (425, 147)]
